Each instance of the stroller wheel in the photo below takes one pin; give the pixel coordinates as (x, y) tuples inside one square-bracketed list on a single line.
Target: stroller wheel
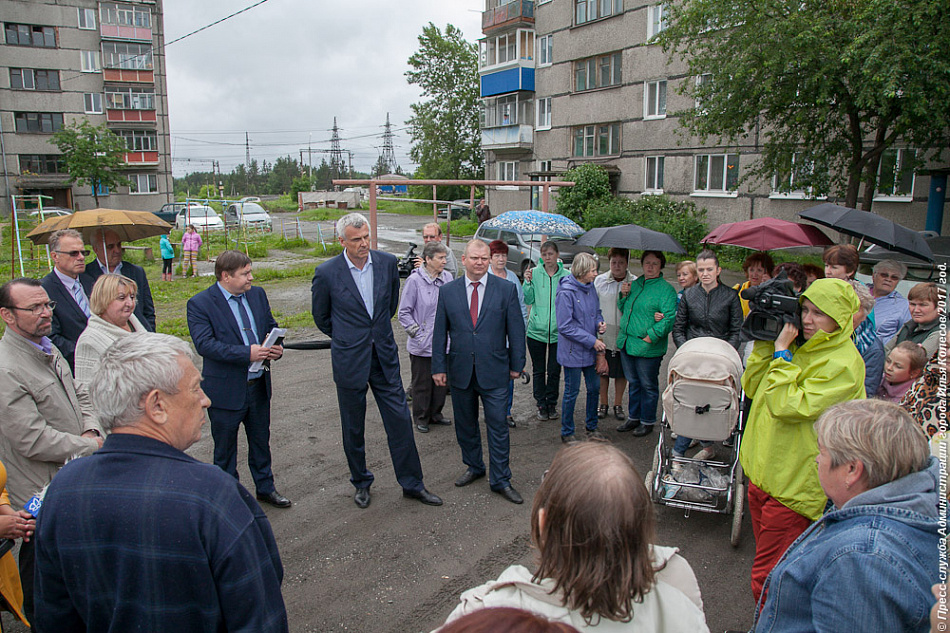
[(738, 502)]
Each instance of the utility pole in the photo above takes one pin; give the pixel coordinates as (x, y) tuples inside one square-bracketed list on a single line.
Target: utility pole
[(389, 155), (336, 154)]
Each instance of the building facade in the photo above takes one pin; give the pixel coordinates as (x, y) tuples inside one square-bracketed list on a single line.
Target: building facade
[(596, 89), (67, 60)]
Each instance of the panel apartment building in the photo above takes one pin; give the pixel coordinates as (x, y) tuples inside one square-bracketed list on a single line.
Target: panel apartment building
[(566, 82), (68, 60)]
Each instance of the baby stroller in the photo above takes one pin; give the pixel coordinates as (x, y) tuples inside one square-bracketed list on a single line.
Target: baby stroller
[(703, 401)]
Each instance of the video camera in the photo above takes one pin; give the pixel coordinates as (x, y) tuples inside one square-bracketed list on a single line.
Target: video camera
[(772, 304)]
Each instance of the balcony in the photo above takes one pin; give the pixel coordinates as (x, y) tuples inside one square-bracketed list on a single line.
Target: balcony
[(130, 116), (505, 81), (507, 15), (118, 32), (508, 137), (139, 159), (128, 75)]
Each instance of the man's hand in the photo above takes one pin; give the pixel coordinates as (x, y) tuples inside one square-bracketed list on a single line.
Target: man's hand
[(94, 435), (14, 526), (440, 380), (259, 353), (527, 275), (788, 334), (514, 375), (275, 351)]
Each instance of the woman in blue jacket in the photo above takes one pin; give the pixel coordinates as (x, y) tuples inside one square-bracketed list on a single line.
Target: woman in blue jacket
[(579, 322), (869, 562)]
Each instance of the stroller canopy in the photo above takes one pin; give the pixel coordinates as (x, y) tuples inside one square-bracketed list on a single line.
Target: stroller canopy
[(709, 359)]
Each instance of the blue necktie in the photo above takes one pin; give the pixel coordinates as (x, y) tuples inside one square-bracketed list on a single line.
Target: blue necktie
[(80, 297), (249, 337)]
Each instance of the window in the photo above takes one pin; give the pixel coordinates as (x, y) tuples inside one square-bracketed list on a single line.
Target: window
[(526, 50), (716, 173), (87, 19), (130, 99), (139, 140), (508, 170), (117, 14), (895, 176), (37, 122), (588, 10), (545, 50), (90, 62), (92, 102), (597, 140), (30, 79), (657, 16), (143, 183), (786, 182), (42, 164), (127, 55), (654, 95), (102, 190), (703, 82), (26, 35), (507, 110), (504, 49), (654, 174), (597, 72), (544, 114)]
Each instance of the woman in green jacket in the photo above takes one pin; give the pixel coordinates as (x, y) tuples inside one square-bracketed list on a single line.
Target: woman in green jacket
[(540, 287), (648, 307), (790, 386)]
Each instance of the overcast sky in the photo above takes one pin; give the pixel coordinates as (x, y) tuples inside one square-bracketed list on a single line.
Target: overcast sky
[(282, 70)]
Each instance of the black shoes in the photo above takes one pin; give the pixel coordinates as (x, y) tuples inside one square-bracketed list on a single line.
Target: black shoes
[(423, 428), (361, 498), (468, 477), (595, 435), (569, 439), (602, 411), (642, 429), (510, 494), (618, 412), (423, 495), (629, 425), (542, 413), (511, 422), (552, 413), (441, 421), (275, 499)]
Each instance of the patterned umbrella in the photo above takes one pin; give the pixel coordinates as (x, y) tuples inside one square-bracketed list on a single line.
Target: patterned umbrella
[(550, 224)]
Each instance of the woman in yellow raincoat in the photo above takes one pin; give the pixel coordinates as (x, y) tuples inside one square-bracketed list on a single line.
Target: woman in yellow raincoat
[(13, 525), (790, 386)]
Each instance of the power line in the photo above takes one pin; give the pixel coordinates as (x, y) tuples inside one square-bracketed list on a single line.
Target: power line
[(208, 26)]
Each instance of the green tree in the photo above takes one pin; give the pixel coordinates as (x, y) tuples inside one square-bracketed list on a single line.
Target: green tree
[(591, 184), (834, 84), (282, 175), (446, 140), (92, 155)]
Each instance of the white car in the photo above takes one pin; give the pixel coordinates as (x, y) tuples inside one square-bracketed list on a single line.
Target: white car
[(202, 217), (250, 214), (49, 212)]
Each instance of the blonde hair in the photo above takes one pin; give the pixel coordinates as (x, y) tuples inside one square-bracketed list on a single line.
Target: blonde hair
[(106, 290), (879, 434), (864, 295), (583, 263), (690, 266)]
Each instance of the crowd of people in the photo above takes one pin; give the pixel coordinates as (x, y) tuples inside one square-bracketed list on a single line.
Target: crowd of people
[(841, 406)]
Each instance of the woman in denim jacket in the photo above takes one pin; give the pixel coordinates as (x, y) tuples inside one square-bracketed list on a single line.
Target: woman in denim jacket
[(869, 562)]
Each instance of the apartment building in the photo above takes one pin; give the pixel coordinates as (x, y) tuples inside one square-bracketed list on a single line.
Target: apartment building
[(595, 89), (68, 60)]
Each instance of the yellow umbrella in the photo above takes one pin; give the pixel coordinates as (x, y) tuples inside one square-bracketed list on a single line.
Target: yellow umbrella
[(128, 225)]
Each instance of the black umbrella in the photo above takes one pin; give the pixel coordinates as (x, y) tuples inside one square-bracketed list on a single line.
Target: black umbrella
[(630, 236), (870, 227)]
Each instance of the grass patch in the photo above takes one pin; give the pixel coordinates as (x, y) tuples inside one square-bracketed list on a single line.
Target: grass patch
[(298, 319), (332, 249), (301, 271), (404, 208), (284, 204), (176, 326), (461, 227)]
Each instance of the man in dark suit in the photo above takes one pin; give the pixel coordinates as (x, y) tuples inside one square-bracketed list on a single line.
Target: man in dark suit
[(69, 288), (228, 322), (355, 296), (108, 248), (481, 315)]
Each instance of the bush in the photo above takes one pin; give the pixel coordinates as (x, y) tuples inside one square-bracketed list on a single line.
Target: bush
[(682, 220), (591, 184)]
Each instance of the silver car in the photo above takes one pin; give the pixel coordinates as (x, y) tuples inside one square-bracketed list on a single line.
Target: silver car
[(250, 214), (524, 249)]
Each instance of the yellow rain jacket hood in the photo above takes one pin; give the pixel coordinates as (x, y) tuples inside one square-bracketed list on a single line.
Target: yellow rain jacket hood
[(780, 445)]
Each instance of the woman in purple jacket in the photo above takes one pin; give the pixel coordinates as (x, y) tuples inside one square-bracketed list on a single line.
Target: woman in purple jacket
[(579, 322), (417, 315)]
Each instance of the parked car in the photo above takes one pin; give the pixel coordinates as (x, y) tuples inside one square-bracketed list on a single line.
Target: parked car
[(251, 199), (524, 249), (250, 214), (169, 212), (459, 209), (203, 218), (49, 212)]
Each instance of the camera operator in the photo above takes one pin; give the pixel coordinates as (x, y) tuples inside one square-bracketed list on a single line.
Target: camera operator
[(791, 382)]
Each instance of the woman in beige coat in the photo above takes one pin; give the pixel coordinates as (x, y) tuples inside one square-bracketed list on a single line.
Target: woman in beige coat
[(112, 303)]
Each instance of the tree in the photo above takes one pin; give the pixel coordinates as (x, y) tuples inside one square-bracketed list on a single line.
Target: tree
[(591, 184), (446, 140), (833, 84), (92, 155)]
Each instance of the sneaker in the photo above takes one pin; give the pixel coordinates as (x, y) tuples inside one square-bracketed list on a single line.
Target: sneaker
[(602, 411), (542, 413), (706, 453), (552, 413), (618, 412), (569, 439), (595, 435)]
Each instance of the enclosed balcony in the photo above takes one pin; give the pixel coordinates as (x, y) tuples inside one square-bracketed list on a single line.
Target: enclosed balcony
[(508, 137), (516, 13), (506, 122)]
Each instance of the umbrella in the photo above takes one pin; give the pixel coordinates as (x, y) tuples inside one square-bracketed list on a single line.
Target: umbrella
[(630, 236), (870, 227), (550, 224), (766, 234), (129, 225)]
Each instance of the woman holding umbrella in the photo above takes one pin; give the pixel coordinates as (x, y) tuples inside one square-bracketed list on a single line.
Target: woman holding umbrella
[(643, 340)]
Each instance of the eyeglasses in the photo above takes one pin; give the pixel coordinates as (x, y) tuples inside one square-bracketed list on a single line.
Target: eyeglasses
[(38, 309), (886, 276), (84, 253)]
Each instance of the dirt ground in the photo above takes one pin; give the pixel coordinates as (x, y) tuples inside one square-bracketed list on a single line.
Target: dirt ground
[(399, 566)]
